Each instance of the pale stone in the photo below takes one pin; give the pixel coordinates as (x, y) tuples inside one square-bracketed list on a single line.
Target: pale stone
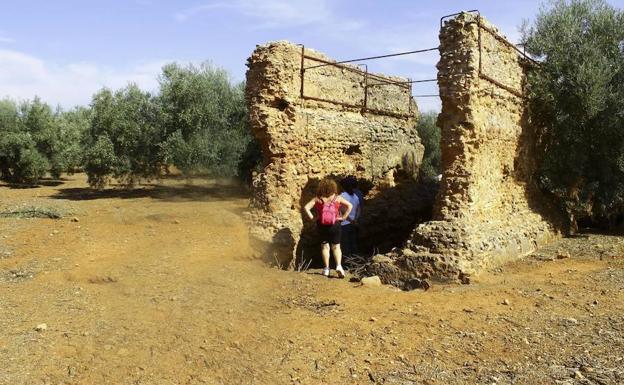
[(373, 281), (488, 210), (381, 259), (305, 140), (41, 327)]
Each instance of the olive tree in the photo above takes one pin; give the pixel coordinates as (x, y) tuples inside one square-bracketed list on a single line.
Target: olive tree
[(197, 122), (35, 140), (576, 94), (73, 125), (204, 119), (123, 140)]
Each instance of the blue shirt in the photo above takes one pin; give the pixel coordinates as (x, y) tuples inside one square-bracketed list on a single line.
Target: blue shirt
[(359, 195), (355, 201)]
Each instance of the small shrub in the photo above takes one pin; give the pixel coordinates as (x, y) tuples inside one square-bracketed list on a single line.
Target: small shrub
[(33, 212)]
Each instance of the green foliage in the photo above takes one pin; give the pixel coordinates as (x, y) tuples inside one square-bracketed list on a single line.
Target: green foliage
[(34, 140), (100, 162), (251, 161), (430, 136), (577, 95), (124, 138), (205, 119), (73, 126), (34, 212), (30, 166), (197, 123), (40, 122)]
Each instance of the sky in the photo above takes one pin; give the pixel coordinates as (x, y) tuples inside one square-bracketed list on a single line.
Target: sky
[(66, 50)]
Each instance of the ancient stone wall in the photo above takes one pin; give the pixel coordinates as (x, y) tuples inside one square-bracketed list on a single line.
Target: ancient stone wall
[(488, 209), (332, 121)]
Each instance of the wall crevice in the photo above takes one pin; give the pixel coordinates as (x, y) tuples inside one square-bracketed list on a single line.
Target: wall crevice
[(333, 126), (488, 209), (317, 121)]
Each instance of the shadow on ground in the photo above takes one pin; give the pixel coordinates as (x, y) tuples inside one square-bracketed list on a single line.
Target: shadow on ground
[(46, 182), (178, 193), (389, 215)]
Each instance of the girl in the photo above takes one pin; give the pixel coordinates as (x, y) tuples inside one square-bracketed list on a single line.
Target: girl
[(327, 203)]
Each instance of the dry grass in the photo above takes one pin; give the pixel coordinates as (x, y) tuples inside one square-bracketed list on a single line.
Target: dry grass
[(34, 212)]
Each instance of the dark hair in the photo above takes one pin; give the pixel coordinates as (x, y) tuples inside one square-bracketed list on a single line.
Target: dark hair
[(349, 184), (327, 187)]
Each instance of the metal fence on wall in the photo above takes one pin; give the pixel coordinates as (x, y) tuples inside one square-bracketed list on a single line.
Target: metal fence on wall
[(370, 80)]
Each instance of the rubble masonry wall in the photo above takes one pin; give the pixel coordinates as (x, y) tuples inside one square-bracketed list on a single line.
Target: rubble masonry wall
[(305, 140), (488, 209)]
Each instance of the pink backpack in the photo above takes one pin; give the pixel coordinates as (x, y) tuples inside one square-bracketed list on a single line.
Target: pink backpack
[(327, 211)]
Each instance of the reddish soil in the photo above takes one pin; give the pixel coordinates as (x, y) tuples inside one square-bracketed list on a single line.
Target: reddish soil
[(157, 286)]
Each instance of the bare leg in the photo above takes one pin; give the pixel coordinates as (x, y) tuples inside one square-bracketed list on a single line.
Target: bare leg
[(325, 254), (337, 254)]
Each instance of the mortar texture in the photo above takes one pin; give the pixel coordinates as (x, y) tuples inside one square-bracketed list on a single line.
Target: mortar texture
[(347, 123), (488, 209)]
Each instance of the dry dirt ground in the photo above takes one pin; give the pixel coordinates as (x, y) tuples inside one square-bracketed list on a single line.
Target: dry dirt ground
[(156, 286)]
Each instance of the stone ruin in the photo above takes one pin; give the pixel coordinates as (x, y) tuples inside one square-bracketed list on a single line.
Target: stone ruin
[(314, 120), (488, 209)]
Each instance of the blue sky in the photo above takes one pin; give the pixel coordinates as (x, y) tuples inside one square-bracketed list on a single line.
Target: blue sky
[(64, 51)]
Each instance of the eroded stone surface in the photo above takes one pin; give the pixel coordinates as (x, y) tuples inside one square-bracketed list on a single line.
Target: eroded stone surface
[(488, 209), (306, 140)]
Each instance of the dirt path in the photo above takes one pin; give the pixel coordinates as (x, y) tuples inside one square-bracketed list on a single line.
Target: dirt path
[(156, 286)]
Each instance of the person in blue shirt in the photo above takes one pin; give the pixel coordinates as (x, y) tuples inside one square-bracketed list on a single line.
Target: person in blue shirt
[(357, 191), (348, 239)]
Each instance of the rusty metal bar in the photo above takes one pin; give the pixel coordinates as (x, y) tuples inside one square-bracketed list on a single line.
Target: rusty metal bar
[(494, 33), (348, 68), (388, 113), (359, 107), (409, 97), (364, 108), (377, 57), (302, 74), (423, 80), (367, 75), (479, 40), (458, 13), (406, 82), (482, 75), (498, 37), (355, 106), (365, 88), (382, 81), (501, 85)]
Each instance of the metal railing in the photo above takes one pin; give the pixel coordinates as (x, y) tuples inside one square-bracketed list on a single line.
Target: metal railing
[(497, 36), (370, 80)]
